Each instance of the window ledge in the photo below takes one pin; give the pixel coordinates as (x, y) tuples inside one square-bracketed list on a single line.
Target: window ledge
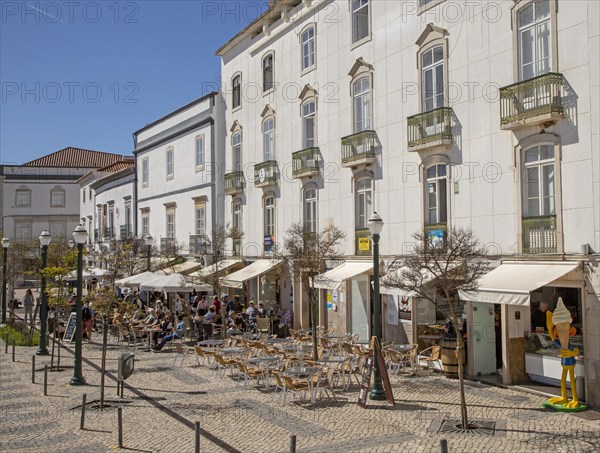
[(170, 177), (199, 168), (144, 184), (308, 70), (428, 6), (269, 91), (361, 42), (235, 109)]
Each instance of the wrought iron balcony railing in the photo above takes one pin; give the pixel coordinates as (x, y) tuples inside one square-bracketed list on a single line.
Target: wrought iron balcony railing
[(200, 245), (108, 233), (125, 232), (362, 241), (429, 129), (234, 182), (539, 234), (306, 162), (237, 247), (532, 101), (168, 246), (358, 148), (265, 173), (96, 235)]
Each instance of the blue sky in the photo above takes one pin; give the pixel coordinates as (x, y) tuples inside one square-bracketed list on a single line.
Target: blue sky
[(90, 73)]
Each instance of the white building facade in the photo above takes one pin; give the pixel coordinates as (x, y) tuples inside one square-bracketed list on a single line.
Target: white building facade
[(435, 114), (179, 177)]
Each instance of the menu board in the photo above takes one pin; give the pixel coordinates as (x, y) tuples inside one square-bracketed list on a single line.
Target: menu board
[(70, 330), (366, 376)]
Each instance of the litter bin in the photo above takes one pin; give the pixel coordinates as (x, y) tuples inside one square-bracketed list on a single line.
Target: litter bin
[(449, 357)]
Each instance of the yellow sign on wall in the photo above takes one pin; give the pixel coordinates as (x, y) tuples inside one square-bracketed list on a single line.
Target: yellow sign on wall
[(364, 244)]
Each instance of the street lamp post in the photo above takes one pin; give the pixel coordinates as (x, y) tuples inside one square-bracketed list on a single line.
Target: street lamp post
[(5, 243), (375, 227), (80, 236), (45, 239), (148, 240)]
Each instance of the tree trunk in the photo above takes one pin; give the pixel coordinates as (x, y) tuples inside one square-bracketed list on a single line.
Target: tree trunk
[(103, 367), (53, 343), (314, 303), (461, 378)]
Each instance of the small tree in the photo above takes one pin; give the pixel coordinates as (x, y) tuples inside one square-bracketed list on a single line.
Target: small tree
[(307, 252), (442, 268)]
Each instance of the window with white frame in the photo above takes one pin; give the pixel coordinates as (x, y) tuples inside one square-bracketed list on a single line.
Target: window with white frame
[(169, 163), (539, 181), (267, 67), (268, 130), (23, 232), (237, 216), (23, 198), (309, 112), (534, 37), (236, 93), (200, 218), (436, 203), (83, 195), (170, 222), (111, 220), (57, 198), (236, 148), (269, 216), (199, 151), (145, 171), (128, 217), (145, 223), (362, 104), (308, 48), (360, 20), (432, 78), (310, 210), (364, 202)]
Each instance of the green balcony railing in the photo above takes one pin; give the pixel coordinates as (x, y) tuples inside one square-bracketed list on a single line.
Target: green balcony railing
[(306, 162), (237, 247), (436, 233), (108, 233), (96, 235), (200, 245), (539, 234), (359, 146), (362, 241), (431, 127), (539, 96), (125, 231), (234, 182), (265, 173)]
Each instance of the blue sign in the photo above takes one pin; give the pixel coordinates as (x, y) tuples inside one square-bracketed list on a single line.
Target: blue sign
[(268, 243), (436, 237)]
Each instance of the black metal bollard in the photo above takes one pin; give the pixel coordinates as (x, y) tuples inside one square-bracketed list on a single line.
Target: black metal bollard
[(120, 425), (6, 343), (13, 350), (45, 380), (443, 446), (33, 369), (82, 422), (293, 443), (197, 437)]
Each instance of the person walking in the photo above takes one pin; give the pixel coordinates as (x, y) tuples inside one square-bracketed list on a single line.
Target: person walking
[(28, 301)]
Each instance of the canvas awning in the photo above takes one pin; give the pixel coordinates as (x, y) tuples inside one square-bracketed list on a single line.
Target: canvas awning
[(184, 268), (256, 269), (168, 283), (89, 274), (221, 266), (511, 283), (335, 278), (138, 279)]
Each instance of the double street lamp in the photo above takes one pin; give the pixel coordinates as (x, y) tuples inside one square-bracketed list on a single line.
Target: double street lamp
[(45, 239), (375, 227), (80, 236), (148, 240), (5, 243)]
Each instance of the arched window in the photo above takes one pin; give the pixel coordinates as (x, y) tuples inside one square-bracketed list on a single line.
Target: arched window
[(310, 210), (534, 37), (269, 222), (364, 202), (436, 203), (432, 78), (307, 39), (236, 94), (539, 193), (268, 131), (267, 67), (361, 91), (237, 216), (236, 151), (309, 124)]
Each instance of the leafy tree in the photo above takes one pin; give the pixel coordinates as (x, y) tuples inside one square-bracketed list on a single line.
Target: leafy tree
[(306, 252), (440, 268)]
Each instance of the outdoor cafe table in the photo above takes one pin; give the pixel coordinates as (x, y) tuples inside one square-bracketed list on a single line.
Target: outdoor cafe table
[(304, 373), (233, 351), (265, 362), (402, 348), (148, 331), (211, 343), (334, 359)]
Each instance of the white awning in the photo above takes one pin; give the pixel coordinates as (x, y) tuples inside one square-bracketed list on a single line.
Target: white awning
[(334, 279), (138, 279), (221, 266), (184, 268), (256, 269), (511, 283), (168, 283)]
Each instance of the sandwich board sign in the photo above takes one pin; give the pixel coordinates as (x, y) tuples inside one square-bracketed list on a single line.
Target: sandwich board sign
[(70, 330), (366, 376)]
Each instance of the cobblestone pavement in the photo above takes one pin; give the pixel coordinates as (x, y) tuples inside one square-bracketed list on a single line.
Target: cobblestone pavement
[(162, 403)]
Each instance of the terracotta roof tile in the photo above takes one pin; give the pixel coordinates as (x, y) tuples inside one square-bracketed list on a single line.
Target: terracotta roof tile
[(77, 158), (119, 165)]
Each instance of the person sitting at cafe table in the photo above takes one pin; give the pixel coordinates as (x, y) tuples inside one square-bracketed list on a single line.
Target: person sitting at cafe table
[(202, 307), (261, 311), (166, 326), (538, 317), (177, 333), (237, 306), (235, 323), (211, 316), (251, 311)]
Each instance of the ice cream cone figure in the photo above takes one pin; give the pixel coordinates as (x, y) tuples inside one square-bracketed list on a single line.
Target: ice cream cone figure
[(559, 326)]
